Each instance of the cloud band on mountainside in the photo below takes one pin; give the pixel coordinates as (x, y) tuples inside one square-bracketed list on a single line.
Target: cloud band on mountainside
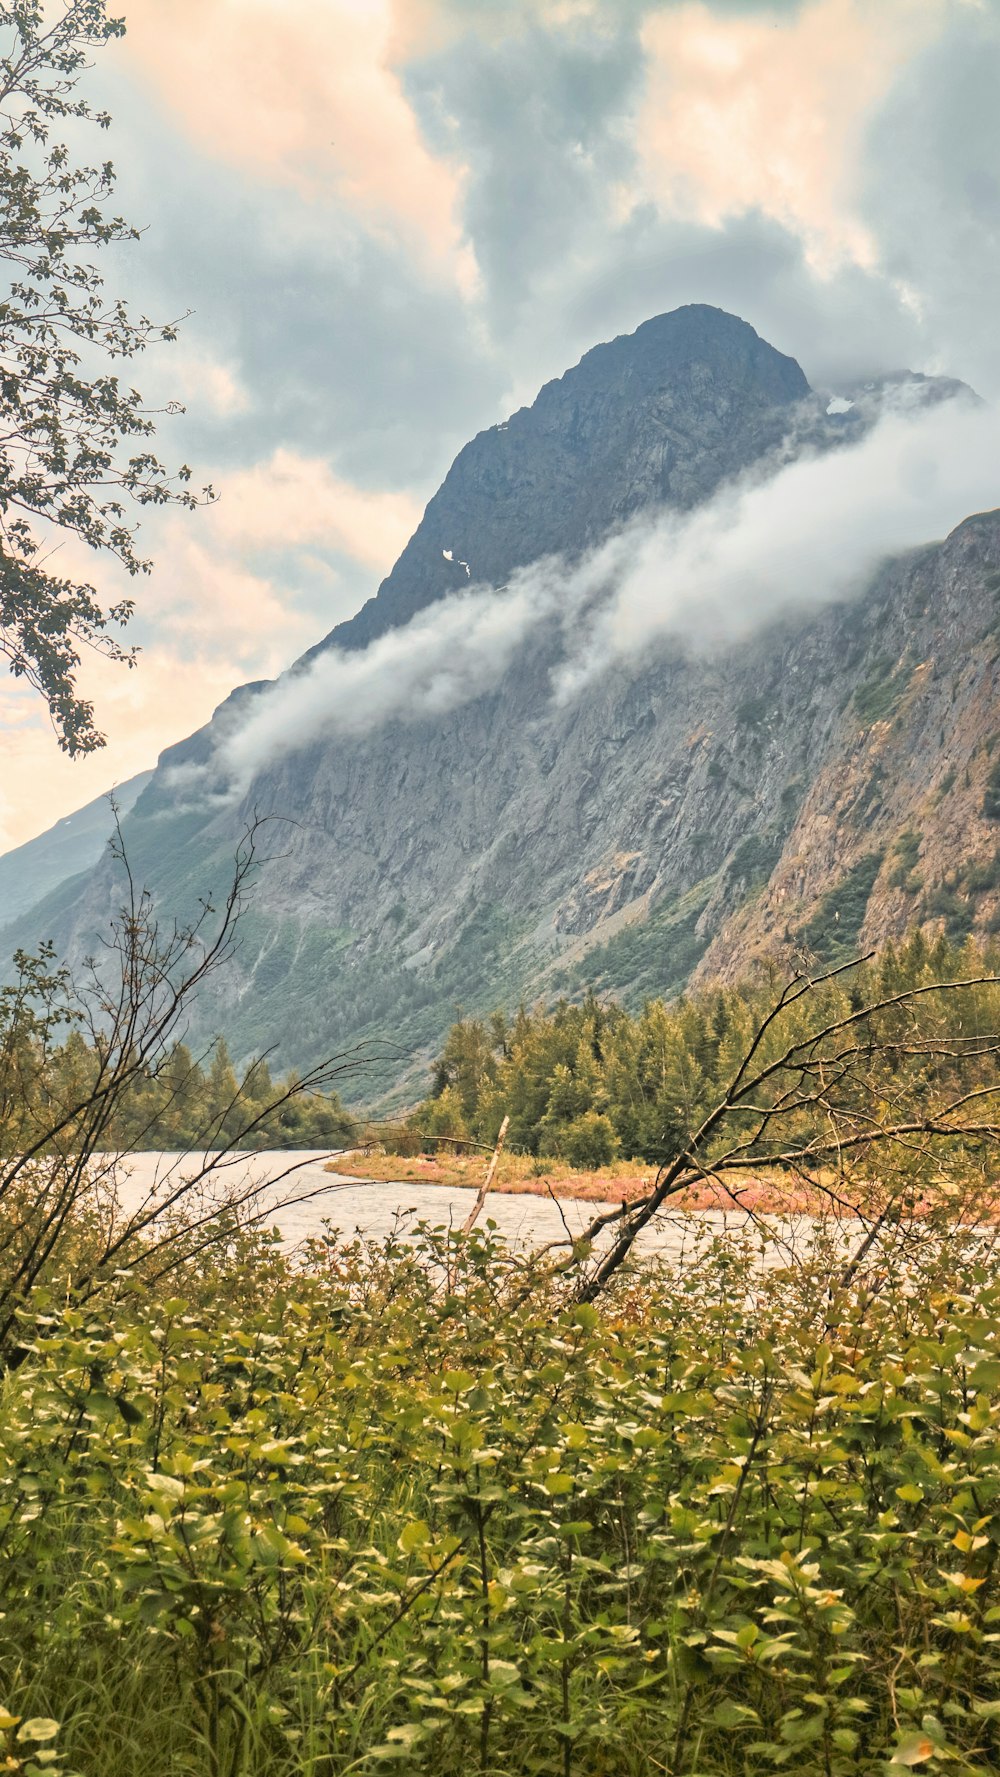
[(812, 532)]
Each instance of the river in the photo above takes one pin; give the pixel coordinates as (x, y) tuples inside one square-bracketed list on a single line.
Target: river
[(302, 1199)]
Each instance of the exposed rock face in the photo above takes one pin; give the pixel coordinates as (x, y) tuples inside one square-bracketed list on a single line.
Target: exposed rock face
[(676, 819), (901, 793), (659, 416)]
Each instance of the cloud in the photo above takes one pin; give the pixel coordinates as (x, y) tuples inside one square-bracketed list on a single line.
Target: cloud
[(293, 501), (238, 591), (196, 375), (624, 159), (303, 95), (811, 533), (542, 112), (171, 693), (767, 114), (451, 654), (931, 193), (311, 177), (342, 343)]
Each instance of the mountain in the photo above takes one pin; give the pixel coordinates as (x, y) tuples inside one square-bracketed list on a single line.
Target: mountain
[(819, 784), (658, 417), (74, 844)]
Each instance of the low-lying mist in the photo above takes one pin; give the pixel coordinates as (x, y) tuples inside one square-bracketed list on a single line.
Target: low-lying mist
[(812, 531)]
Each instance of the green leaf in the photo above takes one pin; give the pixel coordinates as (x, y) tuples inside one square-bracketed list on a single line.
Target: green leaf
[(40, 1727), (414, 1536), (503, 1674), (914, 1750), (407, 1734), (729, 1714)]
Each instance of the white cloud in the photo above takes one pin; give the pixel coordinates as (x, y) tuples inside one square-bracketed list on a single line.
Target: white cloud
[(305, 96), (169, 694), (813, 532), (767, 112), (209, 618), (452, 653), (293, 501)]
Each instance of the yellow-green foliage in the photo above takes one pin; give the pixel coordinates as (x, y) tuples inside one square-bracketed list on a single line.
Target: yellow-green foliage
[(174, 1103), (377, 1517), (652, 1077)]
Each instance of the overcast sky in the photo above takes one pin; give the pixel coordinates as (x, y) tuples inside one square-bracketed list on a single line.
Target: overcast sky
[(393, 219)]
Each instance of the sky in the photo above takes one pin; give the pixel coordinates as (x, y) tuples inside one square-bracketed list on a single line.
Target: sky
[(389, 221)]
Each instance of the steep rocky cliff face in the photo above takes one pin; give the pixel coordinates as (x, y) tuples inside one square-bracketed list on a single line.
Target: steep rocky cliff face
[(818, 786), (661, 416), (899, 816)]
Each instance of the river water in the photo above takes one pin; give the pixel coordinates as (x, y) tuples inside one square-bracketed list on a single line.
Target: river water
[(302, 1199)]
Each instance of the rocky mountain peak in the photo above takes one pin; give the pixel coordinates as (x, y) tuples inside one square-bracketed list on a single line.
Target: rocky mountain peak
[(659, 416)]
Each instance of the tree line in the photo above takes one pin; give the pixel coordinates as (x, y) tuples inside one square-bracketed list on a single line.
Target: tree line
[(182, 1102), (589, 1082), (60, 1056)]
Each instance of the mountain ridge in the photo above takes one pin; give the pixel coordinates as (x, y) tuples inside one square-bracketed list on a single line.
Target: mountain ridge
[(640, 834)]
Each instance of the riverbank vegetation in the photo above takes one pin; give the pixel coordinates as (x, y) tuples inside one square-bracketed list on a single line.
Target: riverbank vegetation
[(413, 1509), (515, 1174), (589, 1083), (447, 1507), (540, 1175)]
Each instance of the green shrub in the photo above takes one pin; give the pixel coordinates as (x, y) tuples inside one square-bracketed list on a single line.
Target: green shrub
[(832, 933), (336, 1519), (754, 859), (590, 1141), (946, 903), (878, 695), (906, 851), (982, 876)]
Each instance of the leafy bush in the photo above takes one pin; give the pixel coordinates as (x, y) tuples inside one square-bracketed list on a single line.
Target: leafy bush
[(590, 1141), (366, 1523)]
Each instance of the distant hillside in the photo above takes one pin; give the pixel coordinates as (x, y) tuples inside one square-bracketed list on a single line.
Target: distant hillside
[(74, 844)]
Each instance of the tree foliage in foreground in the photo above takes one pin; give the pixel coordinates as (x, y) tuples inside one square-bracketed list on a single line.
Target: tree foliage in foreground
[(387, 1513), (75, 452)]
